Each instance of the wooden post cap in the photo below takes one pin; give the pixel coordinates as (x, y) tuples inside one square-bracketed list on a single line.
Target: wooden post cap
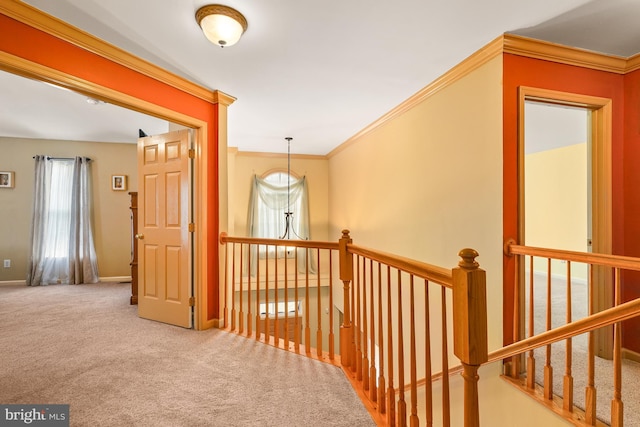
[(468, 256)]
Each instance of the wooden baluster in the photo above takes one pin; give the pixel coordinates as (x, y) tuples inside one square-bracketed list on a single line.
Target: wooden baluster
[(241, 312), (617, 407), (567, 394), (531, 360), (365, 338), (319, 299), (233, 289), (391, 397), (427, 359), (346, 276), (548, 369), (446, 400), (358, 323), (332, 338), (296, 322), (402, 404), (517, 316), (413, 419), (226, 284), (354, 335), (307, 328), (257, 292), (267, 335), (373, 392), (470, 328), (590, 391), (249, 313), (276, 291), (286, 298), (381, 380)]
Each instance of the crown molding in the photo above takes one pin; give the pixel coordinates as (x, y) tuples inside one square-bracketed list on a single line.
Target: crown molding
[(471, 63), (279, 155), (55, 27), (507, 43), (222, 98), (538, 49), (633, 63)]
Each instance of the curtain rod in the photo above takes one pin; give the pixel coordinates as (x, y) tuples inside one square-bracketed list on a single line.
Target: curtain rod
[(62, 158)]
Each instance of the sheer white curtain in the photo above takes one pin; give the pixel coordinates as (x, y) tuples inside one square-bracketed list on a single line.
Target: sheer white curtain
[(62, 249), (267, 206)]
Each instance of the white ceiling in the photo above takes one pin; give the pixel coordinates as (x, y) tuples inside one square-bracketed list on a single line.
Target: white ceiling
[(316, 71), (553, 126)]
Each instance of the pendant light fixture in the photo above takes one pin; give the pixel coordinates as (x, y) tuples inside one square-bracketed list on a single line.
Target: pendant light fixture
[(221, 24), (288, 215)]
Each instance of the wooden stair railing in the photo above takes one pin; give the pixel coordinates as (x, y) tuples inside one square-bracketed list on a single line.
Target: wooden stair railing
[(383, 295), (594, 321)]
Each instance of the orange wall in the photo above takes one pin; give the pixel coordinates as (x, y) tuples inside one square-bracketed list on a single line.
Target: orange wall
[(37, 46), (631, 184), (522, 71)]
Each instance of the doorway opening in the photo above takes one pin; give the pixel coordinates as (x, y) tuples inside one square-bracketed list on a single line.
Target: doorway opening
[(202, 293), (565, 184)]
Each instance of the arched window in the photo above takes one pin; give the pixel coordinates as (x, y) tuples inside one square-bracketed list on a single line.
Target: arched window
[(272, 197)]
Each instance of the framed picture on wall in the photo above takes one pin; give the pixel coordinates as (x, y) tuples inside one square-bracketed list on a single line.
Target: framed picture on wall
[(6, 179), (119, 182)]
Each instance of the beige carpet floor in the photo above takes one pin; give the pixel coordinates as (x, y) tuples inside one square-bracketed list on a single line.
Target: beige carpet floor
[(85, 346)]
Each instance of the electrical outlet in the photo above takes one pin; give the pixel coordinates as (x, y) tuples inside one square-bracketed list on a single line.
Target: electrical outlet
[(7, 263)]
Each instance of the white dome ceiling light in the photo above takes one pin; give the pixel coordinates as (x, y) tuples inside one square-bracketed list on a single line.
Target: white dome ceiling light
[(222, 25)]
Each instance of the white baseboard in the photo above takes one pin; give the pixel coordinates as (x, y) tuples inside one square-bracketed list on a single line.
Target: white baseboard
[(630, 355), (116, 279), (102, 279), (13, 282)]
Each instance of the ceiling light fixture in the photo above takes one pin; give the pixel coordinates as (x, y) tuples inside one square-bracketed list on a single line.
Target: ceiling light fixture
[(288, 215), (222, 25)]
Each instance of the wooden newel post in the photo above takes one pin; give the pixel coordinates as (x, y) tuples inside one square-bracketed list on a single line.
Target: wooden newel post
[(470, 328), (346, 275)]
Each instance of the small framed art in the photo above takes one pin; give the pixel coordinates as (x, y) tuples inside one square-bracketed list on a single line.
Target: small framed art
[(119, 182), (6, 179)]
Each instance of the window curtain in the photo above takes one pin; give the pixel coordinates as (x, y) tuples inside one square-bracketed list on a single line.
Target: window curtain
[(62, 248), (267, 205)]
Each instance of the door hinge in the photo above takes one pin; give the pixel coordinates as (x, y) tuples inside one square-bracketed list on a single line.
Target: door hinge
[(192, 301), (192, 227), (192, 153)]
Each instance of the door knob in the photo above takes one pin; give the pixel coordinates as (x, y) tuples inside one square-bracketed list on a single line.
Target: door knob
[(139, 236)]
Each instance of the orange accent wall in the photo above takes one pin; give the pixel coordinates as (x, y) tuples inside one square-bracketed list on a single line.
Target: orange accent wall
[(631, 185), (522, 71), (37, 46)]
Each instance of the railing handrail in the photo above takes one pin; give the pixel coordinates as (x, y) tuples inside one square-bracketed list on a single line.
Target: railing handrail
[(312, 244), (603, 318), (419, 269), (612, 318), (614, 261)]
